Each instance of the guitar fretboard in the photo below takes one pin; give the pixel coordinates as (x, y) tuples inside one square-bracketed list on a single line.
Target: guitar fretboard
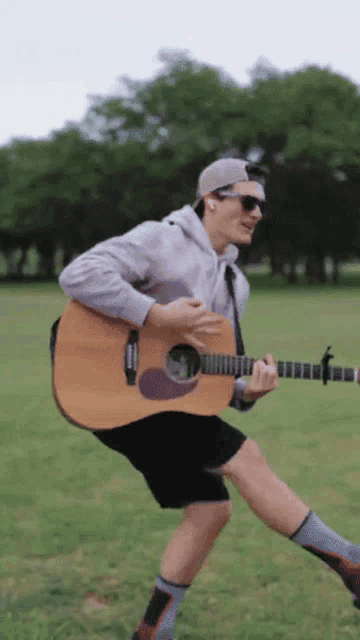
[(243, 366)]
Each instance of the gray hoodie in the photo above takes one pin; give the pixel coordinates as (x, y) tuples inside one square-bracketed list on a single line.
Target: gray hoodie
[(158, 261)]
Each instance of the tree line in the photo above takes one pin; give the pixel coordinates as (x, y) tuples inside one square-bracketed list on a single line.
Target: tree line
[(137, 154)]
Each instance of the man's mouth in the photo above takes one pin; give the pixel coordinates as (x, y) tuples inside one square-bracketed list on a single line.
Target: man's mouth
[(248, 226)]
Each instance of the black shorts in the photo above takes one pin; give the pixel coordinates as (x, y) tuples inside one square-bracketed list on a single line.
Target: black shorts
[(175, 452)]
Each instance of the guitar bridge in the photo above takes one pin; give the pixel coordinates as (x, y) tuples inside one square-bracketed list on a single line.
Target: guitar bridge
[(131, 357)]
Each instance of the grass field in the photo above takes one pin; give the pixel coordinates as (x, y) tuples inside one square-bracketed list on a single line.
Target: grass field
[(82, 536)]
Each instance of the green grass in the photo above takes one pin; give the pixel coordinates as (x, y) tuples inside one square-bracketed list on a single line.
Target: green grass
[(77, 519)]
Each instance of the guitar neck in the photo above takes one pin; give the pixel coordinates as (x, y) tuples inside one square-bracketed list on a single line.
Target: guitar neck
[(239, 366)]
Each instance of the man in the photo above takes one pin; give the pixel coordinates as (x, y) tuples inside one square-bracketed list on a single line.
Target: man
[(171, 273)]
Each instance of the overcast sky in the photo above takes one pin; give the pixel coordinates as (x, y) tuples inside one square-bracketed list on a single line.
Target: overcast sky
[(53, 55)]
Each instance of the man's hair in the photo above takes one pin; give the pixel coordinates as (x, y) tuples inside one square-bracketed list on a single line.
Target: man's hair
[(255, 173)]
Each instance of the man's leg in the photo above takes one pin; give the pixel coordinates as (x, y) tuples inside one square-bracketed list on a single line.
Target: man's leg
[(283, 511), (182, 559), (193, 540)]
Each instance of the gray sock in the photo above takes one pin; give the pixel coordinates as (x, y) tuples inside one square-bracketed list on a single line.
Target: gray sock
[(340, 554), (159, 618)]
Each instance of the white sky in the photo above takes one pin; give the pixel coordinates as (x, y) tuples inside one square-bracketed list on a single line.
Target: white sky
[(52, 55)]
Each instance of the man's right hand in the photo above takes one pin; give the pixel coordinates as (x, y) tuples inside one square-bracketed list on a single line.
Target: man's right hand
[(187, 315)]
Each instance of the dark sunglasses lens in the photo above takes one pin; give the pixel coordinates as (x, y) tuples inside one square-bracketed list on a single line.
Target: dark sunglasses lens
[(250, 202)]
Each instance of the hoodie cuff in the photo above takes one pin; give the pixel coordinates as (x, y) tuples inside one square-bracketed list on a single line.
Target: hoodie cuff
[(236, 401)]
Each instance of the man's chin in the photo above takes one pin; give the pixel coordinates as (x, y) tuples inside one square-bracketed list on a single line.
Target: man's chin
[(245, 240)]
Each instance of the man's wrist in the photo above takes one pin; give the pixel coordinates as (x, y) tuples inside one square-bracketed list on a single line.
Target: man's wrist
[(154, 315)]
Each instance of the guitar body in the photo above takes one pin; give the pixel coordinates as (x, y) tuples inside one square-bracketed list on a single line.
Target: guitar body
[(90, 383)]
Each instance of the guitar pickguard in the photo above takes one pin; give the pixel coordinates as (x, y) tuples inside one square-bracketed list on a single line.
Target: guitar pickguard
[(155, 384)]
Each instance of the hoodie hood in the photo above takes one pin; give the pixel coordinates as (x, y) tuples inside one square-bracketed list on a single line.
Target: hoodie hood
[(188, 220)]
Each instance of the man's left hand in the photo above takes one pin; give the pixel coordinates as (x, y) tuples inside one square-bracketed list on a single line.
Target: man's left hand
[(264, 379)]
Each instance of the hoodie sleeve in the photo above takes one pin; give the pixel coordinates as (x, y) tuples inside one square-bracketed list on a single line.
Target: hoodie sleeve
[(236, 401), (100, 278)]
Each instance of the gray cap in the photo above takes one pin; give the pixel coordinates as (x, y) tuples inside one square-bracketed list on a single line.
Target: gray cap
[(219, 174)]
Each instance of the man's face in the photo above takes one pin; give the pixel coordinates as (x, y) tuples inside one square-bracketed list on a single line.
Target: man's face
[(228, 222)]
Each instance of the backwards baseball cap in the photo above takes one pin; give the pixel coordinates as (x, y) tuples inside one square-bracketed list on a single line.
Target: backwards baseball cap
[(219, 174)]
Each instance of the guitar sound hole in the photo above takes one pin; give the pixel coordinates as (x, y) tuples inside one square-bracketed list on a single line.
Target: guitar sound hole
[(183, 362)]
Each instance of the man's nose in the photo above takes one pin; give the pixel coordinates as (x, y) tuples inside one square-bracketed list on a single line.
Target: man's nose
[(257, 213)]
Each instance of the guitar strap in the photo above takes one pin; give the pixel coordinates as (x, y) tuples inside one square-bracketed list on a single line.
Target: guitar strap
[(229, 276)]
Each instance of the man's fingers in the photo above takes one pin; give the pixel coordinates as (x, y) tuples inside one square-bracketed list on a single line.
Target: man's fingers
[(193, 341), (264, 373), (257, 370), (207, 320)]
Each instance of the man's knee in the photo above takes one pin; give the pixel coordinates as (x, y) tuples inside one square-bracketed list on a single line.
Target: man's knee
[(204, 514), (249, 456)]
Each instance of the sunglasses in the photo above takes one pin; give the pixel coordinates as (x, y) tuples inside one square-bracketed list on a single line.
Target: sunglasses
[(248, 202)]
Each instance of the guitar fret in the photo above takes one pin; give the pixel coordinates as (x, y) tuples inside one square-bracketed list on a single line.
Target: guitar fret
[(238, 366)]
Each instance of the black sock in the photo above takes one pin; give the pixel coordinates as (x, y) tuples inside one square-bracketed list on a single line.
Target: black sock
[(159, 618)]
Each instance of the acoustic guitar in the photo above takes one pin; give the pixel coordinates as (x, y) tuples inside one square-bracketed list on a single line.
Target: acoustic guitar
[(108, 372)]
